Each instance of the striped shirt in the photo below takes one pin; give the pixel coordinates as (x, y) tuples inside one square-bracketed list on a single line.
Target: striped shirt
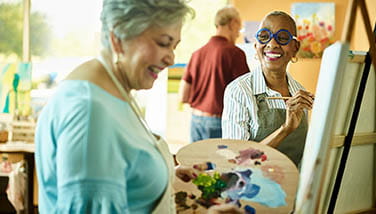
[(239, 118)]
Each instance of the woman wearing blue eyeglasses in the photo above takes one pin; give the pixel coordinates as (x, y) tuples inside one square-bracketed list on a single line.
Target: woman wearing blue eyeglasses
[(249, 111)]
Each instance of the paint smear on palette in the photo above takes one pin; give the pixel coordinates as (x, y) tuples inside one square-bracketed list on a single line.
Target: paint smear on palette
[(226, 153), (251, 185), (271, 193), (249, 154), (273, 172), (204, 166), (246, 155), (222, 146)]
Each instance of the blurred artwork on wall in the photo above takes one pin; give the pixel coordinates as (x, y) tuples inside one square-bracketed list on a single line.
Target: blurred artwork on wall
[(15, 87), (315, 24)]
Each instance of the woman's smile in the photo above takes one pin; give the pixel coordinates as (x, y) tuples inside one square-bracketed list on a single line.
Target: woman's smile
[(272, 55)]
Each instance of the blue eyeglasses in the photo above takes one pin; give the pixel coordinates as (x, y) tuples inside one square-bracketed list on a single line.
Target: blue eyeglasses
[(283, 37)]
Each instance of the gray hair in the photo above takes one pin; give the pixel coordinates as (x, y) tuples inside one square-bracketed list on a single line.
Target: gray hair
[(286, 15), (130, 18), (225, 15)]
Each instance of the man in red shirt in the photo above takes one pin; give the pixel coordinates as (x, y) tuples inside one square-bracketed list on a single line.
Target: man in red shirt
[(209, 70)]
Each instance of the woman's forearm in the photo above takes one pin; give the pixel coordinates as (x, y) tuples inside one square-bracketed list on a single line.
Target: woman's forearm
[(275, 138)]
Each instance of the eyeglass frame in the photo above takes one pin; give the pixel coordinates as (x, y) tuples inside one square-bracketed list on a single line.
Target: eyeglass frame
[(274, 35)]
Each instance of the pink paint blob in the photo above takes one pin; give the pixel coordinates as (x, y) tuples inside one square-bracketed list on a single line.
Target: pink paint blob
[(247, 154)]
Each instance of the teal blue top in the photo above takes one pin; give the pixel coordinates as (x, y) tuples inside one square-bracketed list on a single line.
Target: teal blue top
[(93, 155)]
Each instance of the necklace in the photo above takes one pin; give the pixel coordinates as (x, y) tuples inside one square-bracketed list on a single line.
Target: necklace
[(128, 97)]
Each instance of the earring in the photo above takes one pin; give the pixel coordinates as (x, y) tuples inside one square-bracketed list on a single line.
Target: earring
[(294, 59), (116, 61), (115, 58)]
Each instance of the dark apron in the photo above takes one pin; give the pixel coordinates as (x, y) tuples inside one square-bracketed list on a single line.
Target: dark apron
[(270, 120)]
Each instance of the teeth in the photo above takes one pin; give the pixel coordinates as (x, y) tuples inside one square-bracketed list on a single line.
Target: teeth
[(272, 55), (155, 70)]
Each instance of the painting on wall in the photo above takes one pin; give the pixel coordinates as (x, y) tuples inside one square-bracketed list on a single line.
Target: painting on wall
[(315, 24), (15, 87)]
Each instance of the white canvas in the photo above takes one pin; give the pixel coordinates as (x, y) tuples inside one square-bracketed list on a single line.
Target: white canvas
[(321, 126)]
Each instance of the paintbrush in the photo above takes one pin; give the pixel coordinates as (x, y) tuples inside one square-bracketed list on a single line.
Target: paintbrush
[(276, 98)]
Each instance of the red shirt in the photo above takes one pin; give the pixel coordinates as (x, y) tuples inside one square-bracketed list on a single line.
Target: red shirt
[(210, 69)]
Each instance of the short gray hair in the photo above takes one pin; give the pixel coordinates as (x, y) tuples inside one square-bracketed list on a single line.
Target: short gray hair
[(284, 14), (225, 15), (130, 18)]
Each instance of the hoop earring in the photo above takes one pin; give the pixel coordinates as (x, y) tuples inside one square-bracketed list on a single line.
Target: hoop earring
[(294, 59)]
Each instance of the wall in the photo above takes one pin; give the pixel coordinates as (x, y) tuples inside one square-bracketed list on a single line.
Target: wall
[(306, 71)]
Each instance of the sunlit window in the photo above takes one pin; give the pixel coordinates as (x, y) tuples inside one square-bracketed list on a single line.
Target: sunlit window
[(64, 34), (11, 23), (72, 35)]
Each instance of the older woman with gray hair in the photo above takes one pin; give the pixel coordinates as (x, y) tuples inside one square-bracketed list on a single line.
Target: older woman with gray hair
[(94, 152)]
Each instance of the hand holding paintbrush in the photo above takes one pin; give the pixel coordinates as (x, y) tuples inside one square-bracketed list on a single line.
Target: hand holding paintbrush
[(295, 107)]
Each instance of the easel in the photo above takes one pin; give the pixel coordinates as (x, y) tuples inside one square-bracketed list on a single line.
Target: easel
[(370, 58)]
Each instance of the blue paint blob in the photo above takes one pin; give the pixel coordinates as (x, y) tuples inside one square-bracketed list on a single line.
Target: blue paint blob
[(222, 147), (249, 210), (210, 165)]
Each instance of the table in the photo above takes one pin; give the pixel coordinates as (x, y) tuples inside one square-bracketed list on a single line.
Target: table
[(276, 168), (27, 149)]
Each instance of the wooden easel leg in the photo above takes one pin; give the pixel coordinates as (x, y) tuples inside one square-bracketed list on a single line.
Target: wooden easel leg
[(349, 21), (370, 36)]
